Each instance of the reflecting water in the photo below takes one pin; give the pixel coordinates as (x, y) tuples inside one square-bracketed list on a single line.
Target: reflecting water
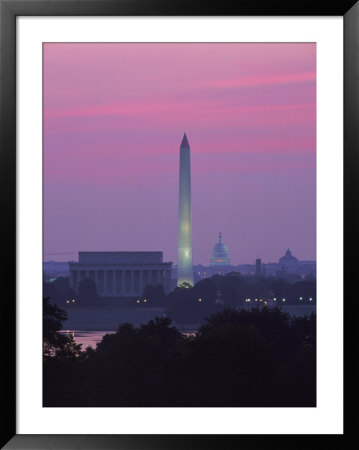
[(89, 338), (86, 338)]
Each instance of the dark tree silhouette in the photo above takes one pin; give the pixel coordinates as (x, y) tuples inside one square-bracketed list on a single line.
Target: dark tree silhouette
[(154, 295), (59, 291), (88, 295), (55, 343), (258, 358), (61, 356)]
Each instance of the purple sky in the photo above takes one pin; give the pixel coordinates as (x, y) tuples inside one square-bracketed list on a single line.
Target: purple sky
[(114, 118)]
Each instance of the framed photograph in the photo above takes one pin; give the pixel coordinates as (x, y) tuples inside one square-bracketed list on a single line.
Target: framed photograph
[(174, 200)]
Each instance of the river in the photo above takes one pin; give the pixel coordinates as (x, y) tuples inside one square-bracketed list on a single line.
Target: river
[(90, 337)]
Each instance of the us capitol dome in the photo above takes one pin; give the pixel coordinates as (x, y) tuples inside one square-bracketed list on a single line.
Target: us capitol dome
[(220, 255)]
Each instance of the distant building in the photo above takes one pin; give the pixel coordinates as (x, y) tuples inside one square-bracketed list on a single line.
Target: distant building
[(54, 269), (220, 255), (288, 263), (121, 276), (259, 267), (220, 262)]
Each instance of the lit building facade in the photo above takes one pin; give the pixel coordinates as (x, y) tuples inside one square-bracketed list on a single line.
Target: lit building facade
[(220, 255), (121, 275)]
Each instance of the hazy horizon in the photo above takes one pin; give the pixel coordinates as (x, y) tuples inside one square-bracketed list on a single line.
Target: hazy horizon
[(195, 264), (114, 118)]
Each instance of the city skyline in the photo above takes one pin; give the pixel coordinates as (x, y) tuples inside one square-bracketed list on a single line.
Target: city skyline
[(114, 115), (201, 263)]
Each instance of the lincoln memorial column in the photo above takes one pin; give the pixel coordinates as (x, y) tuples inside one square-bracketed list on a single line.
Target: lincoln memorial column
[(96, 280), (141, 282), (123, 279), (132, 282)]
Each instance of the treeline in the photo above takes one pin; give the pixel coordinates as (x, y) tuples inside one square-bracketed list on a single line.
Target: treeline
[(206, 297), (193, 305), (238, 358)]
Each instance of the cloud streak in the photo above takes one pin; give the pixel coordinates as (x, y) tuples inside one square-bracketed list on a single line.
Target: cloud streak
[(264, 80)]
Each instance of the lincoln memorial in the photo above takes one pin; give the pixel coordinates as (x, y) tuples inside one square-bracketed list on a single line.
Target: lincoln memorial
[(121, 275)]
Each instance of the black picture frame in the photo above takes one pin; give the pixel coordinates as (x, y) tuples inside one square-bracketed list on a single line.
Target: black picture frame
[(9, 10)]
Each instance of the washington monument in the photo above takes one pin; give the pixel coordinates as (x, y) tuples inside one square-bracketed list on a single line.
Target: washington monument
[(185, 270)]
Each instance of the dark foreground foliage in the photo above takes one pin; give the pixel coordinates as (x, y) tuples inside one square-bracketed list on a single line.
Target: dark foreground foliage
[(238, 358)]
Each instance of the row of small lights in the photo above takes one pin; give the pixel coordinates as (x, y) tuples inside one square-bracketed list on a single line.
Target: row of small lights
[(69, 301), (247, 300), (145, 300)]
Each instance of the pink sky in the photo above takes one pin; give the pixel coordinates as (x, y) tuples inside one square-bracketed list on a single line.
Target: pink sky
[(114, 117)]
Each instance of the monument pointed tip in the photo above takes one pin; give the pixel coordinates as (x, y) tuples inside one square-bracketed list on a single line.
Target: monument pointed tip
[(185, 141)]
